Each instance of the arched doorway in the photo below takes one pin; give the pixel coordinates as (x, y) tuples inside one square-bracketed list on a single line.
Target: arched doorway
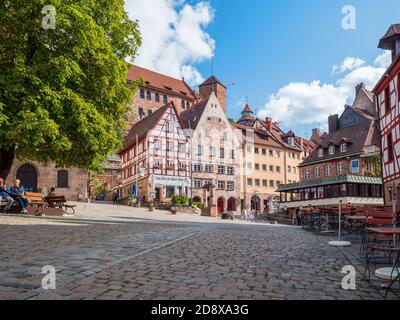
[(256, 203), (221, 205), (232, 205), (28, 176)]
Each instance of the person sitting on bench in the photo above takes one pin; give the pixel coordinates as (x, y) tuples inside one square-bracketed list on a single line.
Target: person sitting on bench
[(18, 194), (52, 192), (5, 193)]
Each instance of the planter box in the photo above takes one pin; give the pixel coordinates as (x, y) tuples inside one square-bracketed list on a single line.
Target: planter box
[(185, 210)]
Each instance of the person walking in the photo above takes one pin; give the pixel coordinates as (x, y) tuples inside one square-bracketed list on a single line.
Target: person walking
[(116, 197)]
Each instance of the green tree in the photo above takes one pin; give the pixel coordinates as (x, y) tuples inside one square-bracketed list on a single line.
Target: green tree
[(63, 92)]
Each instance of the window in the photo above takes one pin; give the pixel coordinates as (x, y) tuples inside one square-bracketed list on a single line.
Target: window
[(157, 163), (169, 127), (278, 169), (264, 183), (278, 184), (294, 170), (181, 166), (320, 153), (187, 105), (271, 169), (271, 153), (200, 150), (278, 154), (148, 95), (257, 167), (306, 174), (221, 185), (289, 169), (264, 152), (257, 182), (343, 147), (197, 184), (355, 166), (141, 93), (387, 99), (221, 169), (182, 148), (264, 167), (232, 154), (340, 169), (157, 97), (256, 150), (317, 172), (212, 152), (230, 171), (272, 184), (149, 112), (331, 150), (157, 144), (183, 104), (197, 167), (170, 145), (209, 168), (222, 153), (249, 182), (169, 164), (165, 99), (230, 186), (141, 112), (328, 171), (169, 192), (390, 147), (62, 179)]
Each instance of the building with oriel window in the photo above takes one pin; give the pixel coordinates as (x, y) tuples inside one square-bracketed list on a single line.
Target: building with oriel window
[(155, 161)]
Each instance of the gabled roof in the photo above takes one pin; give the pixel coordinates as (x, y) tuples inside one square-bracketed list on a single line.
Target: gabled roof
[(141, 129), (191, 117), (212, 80), (357, 137), (161, 82)]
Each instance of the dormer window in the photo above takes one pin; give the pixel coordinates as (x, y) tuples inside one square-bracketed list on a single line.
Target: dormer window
[(331, 150), (291, 141), (320, 153), (343, 147)]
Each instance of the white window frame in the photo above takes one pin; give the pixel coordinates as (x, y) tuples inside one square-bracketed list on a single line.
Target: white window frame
[(332, 150), (343, 147), (320, 153)]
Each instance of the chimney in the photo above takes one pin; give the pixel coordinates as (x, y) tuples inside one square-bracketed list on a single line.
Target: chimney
[(359, 87), (268, 122), (316, 135), (301, 142), (277, 123), (333, 122)]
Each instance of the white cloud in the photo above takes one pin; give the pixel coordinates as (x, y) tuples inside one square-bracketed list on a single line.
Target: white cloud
[(173, 36), (384, 60), (311, 103), (347, 64)]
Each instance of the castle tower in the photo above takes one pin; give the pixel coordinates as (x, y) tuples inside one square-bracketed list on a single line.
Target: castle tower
[(212, 84), (391, 41)]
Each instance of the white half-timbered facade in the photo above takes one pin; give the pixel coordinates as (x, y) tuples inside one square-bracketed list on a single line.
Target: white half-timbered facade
[(155, 162)]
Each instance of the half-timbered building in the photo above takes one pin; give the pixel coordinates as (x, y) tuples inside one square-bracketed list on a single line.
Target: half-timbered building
[(155, 162), (388, 92)]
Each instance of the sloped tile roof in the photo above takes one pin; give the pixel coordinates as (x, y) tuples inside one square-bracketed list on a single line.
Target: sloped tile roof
[(161, 82), (191, 117)]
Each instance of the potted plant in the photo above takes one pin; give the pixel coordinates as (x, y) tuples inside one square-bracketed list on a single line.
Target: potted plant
[(151, 205)]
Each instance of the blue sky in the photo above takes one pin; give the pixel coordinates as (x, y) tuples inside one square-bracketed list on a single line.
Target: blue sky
[(281, 49)]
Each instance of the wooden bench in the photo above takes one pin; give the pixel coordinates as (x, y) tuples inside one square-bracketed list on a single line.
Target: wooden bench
[(60, 202), (36, 201)]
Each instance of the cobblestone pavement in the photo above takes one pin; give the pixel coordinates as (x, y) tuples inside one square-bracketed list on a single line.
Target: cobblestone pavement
[(170, 261)]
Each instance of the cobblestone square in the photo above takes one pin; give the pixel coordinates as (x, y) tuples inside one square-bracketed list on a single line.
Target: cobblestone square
[(159, 260)]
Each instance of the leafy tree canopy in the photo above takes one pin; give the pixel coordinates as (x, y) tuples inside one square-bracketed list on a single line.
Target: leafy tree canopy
[(63, 92)]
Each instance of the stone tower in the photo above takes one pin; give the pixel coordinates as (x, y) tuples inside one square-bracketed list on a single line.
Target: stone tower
[(212, 84)]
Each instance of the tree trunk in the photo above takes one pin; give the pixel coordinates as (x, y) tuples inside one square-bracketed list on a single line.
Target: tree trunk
[(6, 161)]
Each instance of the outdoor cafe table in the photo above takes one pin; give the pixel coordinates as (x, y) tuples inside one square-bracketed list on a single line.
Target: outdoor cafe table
[(386, 273)]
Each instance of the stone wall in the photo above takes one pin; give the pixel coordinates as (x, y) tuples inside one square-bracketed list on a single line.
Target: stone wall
[(47, 178)]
